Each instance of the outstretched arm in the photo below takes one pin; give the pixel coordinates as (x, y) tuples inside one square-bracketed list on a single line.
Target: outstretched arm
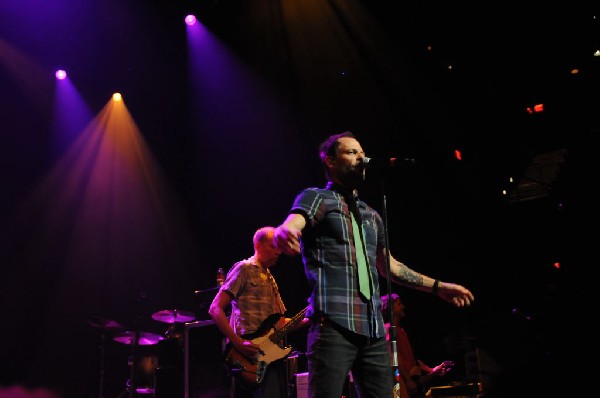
[(453, 293), (287, 236)]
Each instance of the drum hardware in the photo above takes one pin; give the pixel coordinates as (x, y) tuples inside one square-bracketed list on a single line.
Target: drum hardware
[(143, 338), (141, 368), (135, 338), (173, 316), (105, 326)]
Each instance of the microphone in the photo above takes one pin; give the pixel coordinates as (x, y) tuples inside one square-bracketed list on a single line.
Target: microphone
[(220, 277), (387, 163), (220, 280), (209, 290)]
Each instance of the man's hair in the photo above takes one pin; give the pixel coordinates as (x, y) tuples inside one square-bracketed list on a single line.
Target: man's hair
[(329, 147), (262, 234)]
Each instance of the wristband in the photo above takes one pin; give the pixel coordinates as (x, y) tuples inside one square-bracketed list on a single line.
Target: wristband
[(436, 286)]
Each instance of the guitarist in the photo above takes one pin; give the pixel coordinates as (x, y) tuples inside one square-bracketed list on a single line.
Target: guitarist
[(416, 376), (253, 296)]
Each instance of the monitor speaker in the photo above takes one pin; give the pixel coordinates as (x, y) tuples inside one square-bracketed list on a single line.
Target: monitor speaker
[(205, 372)]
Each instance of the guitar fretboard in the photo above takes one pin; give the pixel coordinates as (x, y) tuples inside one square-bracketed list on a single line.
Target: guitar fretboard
[(279, 334)]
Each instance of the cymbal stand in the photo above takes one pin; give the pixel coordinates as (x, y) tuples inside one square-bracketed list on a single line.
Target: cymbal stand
[(132, 361), (101, 348), (130, 384), (170, 332), (104, 325)]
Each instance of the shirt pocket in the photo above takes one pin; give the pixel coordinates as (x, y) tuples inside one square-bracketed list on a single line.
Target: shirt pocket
[(261, 288)]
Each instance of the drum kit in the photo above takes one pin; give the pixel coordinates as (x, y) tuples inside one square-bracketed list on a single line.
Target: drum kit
[(134, 338)]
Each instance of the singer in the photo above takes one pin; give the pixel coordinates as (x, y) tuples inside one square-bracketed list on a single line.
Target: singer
[(339, 236)]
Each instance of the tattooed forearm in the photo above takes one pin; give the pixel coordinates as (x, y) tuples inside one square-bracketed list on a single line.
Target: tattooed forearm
[(407, 276)]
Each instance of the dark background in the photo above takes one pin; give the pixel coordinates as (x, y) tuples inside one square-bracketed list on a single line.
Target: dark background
[(236, 143)]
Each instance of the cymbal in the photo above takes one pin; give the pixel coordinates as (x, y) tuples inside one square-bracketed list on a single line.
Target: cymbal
[(172, 316), (145, 338), (105, 324)]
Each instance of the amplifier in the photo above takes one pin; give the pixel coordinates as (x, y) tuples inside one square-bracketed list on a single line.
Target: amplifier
[(205, 373), (302, 385), (301, 389)]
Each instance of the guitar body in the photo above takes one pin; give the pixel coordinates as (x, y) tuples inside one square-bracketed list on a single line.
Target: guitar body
[(270, 351), (252, 370)]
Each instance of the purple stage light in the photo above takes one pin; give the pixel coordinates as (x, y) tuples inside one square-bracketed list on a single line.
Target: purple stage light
[(60, 74), (190, 19)]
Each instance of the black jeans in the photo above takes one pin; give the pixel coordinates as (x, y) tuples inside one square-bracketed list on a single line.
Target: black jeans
[(333, 351)]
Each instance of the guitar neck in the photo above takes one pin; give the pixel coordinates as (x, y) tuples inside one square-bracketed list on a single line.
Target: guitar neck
[(285, 329)]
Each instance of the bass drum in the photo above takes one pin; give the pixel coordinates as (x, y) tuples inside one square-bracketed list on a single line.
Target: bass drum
[(145, 374)]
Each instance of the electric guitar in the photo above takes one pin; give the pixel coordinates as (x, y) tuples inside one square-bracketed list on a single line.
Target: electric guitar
[(400, 388), (252, 370)]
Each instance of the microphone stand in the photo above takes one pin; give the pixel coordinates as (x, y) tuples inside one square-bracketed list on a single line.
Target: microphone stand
[(390, 309), (102, 350)]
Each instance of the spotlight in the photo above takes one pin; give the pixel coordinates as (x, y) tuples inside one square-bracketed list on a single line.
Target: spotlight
[(60, 74), (190, 20), (117, 97)]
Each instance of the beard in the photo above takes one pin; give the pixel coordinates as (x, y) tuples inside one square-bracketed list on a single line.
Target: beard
[(352, 176)]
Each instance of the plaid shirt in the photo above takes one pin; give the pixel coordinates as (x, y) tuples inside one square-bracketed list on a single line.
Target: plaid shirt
[(330, 260), (255, 296)]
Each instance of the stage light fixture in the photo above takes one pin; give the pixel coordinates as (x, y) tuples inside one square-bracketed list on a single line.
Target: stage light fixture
[(457, 154), (117, 97), (190, 19), (60, 74)]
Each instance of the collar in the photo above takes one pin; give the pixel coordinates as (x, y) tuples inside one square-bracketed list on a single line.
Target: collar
[(253, 260), (345, 192)]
